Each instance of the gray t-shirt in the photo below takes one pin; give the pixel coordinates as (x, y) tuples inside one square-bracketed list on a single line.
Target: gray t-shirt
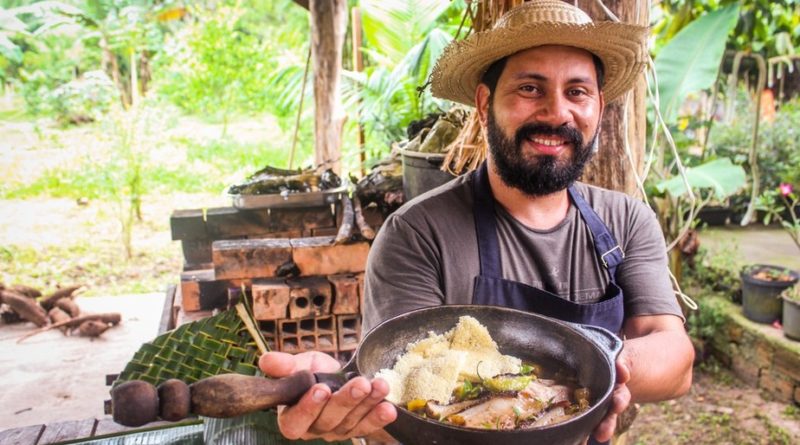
[(426, 254)]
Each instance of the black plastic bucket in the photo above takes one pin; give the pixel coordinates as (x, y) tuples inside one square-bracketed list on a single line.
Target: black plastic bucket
[(422, 172), (761, 300)]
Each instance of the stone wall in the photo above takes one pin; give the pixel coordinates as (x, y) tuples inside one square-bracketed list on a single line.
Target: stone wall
[(759, 354)]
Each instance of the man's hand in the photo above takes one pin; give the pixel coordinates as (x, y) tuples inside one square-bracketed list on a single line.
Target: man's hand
[(356, 410), (620, 399)]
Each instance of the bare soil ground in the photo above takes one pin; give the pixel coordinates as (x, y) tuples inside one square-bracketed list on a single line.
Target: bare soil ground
[(719, 409)]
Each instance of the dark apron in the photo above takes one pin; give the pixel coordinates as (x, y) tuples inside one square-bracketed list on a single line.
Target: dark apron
[(492, 289)]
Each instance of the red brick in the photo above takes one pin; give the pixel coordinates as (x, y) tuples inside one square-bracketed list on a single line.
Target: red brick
[(764, 353), (788, 362), (743, 367), (301, 218), (270, 299), (269, 329), (361, 292), (190, 288), (777, 385), (310, 297), (319, 256), (325, 231), (348, 328), (345, 293), (251, 258)]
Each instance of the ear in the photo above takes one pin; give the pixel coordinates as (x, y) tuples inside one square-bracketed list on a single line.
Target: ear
[(482, 98)]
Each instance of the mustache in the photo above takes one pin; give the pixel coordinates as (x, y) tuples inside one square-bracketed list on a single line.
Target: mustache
[(569, 134)]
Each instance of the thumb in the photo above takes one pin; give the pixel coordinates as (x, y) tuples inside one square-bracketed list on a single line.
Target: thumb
[(277, 364)]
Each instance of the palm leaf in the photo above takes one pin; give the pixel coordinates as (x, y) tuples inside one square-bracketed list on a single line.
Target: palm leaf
[(690, 61), (722, 177)]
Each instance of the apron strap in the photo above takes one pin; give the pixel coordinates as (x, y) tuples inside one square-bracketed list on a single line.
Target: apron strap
[(606, 246), (485, 224)]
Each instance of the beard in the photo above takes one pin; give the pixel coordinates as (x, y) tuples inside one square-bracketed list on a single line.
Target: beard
[(537, 175)]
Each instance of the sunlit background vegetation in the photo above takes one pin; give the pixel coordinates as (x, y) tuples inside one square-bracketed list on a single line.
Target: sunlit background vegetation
[(138, 107)]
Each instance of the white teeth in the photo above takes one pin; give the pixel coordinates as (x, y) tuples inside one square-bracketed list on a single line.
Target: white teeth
[(548, 142)]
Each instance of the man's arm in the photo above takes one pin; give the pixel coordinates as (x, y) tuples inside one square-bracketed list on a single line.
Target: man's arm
[(659, 355), (655, 364)]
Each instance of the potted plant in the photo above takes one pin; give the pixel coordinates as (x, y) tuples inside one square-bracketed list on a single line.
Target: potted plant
[(791, 312), (762, 285)]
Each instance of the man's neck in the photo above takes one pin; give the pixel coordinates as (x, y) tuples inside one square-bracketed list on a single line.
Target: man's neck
[(537, 212)]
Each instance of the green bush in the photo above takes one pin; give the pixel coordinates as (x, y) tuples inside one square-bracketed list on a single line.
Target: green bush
[(83, 100)]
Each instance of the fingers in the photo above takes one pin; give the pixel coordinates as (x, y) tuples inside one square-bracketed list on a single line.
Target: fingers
[(295, 421), (357, 409), (362, 416), (277, 364), (605, 430), (281, 364), (620, 399)]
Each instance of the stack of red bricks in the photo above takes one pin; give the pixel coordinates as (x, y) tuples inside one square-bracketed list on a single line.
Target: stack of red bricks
[(305, 291)]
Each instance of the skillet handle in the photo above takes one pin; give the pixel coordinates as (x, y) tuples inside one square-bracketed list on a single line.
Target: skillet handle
[(608, 342)]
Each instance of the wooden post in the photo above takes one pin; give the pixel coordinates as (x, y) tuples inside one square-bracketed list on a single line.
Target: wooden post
[(358, 66), (611, 168), (328, 26)]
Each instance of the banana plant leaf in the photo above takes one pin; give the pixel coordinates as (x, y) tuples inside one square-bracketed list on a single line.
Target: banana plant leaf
[(721, 176), (690, 61)]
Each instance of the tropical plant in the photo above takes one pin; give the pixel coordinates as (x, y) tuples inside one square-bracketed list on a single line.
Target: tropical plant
[(782, 205), (766, 26), (404, 40), (687, 64), (690, 61), (714, 180)]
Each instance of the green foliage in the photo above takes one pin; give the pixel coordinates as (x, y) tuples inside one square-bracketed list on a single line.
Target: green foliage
[(215, 66), (717, 270), (778, 142), (707, 320), (84, 99), (720, 177), (690, 61), (769, 27)]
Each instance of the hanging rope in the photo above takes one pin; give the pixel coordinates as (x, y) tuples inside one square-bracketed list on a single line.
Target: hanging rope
[(299, 109)]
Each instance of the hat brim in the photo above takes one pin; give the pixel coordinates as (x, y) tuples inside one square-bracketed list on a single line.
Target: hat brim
[(620, 46)]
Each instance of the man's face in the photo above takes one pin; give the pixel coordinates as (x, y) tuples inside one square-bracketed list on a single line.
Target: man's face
[(543, 118)]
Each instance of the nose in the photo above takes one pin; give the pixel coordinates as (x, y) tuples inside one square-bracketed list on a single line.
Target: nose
[(554, 111)]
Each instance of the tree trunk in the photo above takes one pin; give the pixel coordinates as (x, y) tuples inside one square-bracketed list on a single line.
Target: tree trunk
[(611, 168), (328, 27)]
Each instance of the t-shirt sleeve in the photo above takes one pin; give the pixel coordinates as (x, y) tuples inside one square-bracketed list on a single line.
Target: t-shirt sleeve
[(403, 273), (644, 274)]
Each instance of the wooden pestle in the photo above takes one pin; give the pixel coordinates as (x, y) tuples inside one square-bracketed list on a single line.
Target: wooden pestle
[(136, 402)]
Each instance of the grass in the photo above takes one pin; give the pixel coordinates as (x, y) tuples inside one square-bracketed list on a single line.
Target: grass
[(49, 164), (101, 267), (209, 167)]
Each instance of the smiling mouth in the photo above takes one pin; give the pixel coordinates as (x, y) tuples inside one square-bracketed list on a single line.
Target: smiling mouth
[(550, 142)]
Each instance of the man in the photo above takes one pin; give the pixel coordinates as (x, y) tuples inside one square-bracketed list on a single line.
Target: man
[(519, 231)]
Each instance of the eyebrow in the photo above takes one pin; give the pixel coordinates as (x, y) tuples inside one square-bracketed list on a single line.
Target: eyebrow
[(540, 77)]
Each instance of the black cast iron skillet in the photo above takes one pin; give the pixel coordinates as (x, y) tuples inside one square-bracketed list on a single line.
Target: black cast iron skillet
[(588, 352)]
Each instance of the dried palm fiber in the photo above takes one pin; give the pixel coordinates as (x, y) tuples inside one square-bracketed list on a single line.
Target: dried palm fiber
[(228, 342), (468, 151)]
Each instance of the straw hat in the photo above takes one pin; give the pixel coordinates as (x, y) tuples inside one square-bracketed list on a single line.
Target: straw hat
[(622, 47)]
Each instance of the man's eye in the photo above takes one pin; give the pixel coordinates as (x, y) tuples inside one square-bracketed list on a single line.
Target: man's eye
[(529, 89), (576, 92)]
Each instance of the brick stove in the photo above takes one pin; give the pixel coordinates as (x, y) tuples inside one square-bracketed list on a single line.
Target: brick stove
[(306, 292)]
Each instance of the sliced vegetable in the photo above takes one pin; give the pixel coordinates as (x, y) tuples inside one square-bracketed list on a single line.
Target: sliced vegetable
[(504, 383)]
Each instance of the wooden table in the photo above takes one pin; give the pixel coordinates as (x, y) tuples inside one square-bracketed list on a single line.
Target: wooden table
[(72, 431)]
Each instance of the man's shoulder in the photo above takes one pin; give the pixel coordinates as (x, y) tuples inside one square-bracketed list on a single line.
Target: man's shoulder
[(441, 203), (600, 198)]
